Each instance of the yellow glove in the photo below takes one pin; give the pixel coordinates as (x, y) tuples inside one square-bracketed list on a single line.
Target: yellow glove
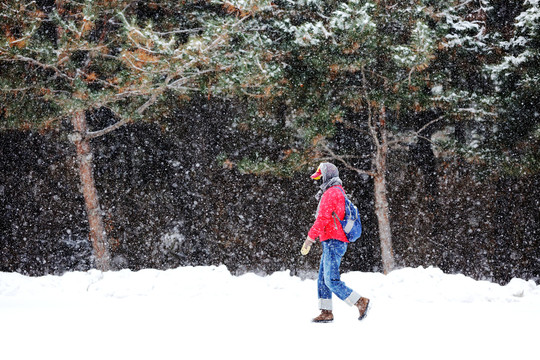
[(307, 245)]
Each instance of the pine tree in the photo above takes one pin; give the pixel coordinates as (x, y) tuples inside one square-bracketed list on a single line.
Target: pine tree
[(350, 63), (514, 142), (64, 59), (384, 71)]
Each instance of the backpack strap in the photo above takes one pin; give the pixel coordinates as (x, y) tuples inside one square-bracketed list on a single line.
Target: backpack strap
[(342, 191), (334, 215)]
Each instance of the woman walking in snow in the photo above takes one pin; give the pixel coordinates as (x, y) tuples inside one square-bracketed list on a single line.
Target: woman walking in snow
[(334, 243)]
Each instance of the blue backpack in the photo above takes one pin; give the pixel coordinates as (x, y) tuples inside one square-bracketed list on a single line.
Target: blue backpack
[(351, 224)]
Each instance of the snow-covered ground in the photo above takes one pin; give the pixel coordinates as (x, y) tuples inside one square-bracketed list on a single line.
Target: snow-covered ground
[(206, 313)]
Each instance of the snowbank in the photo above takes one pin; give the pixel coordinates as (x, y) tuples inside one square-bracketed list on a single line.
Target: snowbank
[(205, 312)]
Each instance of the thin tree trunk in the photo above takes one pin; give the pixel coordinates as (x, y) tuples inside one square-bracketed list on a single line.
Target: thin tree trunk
[(383, 217), (97, 235), (381, 203)]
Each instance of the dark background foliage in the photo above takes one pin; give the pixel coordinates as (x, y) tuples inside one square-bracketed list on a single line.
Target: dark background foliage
[(173, 195)]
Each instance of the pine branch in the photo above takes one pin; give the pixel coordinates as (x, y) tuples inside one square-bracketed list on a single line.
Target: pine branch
[(35, 62)]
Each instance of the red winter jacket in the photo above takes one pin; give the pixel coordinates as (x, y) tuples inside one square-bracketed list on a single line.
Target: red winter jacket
[(325, 227)]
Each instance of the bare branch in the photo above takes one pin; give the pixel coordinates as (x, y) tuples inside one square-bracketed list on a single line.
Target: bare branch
[(179, 82), (148, 103), (94, 134), (415, 134), (38, 90), (429, 123), (346, 163), (428, 140), (350, 125), (401, 140), (183, 31)]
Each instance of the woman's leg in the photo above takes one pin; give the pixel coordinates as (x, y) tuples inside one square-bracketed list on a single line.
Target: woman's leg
[(333, 251), (323, 291)]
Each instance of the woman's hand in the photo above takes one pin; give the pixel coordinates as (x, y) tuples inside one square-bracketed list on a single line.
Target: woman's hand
[(307, 245)]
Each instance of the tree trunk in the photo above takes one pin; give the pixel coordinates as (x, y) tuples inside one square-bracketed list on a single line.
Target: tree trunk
[(383, 217), (381, 203), (97, 235)]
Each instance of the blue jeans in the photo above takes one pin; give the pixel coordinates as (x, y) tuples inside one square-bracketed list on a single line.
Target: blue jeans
[(329, 279)]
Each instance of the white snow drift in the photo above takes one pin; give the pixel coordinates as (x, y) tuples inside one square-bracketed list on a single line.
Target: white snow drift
[(206, 313)]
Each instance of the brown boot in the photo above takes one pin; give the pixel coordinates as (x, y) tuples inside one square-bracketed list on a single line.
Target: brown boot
[(325, 317), (363, 305)]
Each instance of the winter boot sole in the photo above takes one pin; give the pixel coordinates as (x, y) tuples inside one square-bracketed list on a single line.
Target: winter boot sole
[(322, 321)]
